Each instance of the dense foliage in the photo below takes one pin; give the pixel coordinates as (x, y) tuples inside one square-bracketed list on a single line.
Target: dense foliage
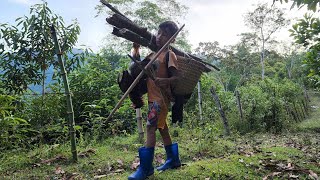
[(270, 104)]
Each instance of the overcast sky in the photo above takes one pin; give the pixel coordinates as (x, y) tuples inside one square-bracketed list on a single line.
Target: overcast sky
[(207, 20)]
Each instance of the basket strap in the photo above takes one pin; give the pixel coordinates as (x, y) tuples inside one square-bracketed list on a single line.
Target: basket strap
[(167, 63)]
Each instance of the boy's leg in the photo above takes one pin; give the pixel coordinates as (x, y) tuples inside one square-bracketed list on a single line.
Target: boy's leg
[(165, 136), (152, 123), (173, 160), (151, 136), (146, 153)]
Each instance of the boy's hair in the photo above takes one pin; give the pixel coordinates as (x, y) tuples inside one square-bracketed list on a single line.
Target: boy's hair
[(170, 27)]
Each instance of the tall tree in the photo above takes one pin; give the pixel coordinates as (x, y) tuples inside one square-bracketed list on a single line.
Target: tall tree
[(26, 48), (265, 21), (209, 50), (306, 32)]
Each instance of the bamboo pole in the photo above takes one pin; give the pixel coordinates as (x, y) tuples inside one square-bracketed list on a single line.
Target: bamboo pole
[(222, 114), (68, 95), (139, 124), (141, 74)]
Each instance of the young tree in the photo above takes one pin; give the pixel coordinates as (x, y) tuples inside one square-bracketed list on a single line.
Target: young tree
[(26, 48), (265, 21)]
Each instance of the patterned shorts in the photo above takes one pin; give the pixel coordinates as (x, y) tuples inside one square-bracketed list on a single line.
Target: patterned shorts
[(153, 114)]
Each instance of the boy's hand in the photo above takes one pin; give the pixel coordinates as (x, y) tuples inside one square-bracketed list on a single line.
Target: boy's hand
[(162, 82)]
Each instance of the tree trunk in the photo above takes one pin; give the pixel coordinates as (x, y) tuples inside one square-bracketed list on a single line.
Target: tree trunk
[(289, 69), (304, 103), (239, 105), (222, 114), (262, 56), (68, 95), (200, 101), (297, 112)]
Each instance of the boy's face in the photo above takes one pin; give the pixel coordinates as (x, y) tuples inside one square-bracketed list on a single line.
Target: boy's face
[(162, 37)]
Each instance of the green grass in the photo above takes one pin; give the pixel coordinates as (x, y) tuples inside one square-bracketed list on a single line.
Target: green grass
[(204, 152)]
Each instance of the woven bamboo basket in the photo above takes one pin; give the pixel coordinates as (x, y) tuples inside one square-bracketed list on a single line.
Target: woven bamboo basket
[(190, 72)]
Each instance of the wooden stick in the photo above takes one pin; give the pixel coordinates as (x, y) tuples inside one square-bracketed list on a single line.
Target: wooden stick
[(222, 114), (104, 2), (151, 75), (141, 67), (239, 104), (141, 73)]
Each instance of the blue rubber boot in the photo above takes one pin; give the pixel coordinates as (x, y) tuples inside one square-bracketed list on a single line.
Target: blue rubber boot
[(145, 168), (173, 160)]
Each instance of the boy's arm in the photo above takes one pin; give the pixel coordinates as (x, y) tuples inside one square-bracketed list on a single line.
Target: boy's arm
[(173, 70), (164, 82)]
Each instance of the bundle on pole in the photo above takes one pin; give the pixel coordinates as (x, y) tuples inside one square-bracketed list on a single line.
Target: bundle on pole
[(125, 28), (141, 74)]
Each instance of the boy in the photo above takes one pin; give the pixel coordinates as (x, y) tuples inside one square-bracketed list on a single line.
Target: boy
[(158, 102)]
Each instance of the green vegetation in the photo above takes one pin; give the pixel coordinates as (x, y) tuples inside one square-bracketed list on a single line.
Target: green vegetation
[(204, 153), (277, 137)]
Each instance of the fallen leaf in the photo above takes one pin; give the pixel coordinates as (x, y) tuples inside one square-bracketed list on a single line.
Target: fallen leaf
[(36, 165), (59, 170), (120, 162), (49, 161), (271, 175), (313, 175), (291, 176), (100, 176), (87, 153), (159, 159), (119, 170), (109, 167), (289, 166), (71, 176), (135, 164), (159, 144)]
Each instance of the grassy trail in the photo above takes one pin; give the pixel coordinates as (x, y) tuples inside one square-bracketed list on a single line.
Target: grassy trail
[(291, 155)]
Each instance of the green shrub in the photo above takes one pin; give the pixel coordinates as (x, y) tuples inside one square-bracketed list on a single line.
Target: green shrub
[(14, 131), (46, 114)]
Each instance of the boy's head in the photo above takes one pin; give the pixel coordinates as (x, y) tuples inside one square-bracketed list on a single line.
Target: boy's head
[(166, 30)]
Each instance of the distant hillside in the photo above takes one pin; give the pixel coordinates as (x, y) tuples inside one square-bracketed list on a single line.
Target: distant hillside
[(47, 82), (49, 74)]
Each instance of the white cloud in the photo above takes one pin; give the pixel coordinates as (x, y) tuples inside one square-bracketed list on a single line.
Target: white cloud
[(25, 2), (223, 21)]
